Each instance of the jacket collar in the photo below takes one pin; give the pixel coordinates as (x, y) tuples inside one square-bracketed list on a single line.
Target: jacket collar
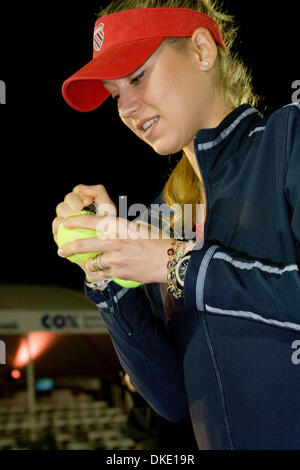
[(207, 139)]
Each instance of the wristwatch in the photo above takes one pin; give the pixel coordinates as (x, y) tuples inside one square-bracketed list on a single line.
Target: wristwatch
[(177, 267), (180, 269)]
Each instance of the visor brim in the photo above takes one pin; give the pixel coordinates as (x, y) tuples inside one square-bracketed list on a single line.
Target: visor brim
[(84, 90)]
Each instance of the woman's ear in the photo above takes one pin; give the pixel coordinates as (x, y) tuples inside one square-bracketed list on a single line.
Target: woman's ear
[(205, 48)]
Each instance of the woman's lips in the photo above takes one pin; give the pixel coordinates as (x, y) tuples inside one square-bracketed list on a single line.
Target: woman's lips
[(148, 132)]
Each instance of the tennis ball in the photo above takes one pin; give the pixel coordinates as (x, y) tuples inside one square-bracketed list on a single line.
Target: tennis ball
[(65, 235), (125, 283)]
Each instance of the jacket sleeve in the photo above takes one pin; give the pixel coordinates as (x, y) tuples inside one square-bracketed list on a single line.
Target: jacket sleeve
[(144, 348), (230, 284)]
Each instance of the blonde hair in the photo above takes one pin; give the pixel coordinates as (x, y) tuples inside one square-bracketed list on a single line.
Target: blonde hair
[(232, 77)]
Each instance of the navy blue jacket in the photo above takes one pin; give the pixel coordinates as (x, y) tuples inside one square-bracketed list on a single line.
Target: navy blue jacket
[(224, 353)]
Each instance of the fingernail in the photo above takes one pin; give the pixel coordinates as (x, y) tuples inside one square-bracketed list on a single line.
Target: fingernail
[(60, 252)]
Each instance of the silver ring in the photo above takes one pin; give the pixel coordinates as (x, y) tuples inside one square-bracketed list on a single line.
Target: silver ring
[(97, 264)]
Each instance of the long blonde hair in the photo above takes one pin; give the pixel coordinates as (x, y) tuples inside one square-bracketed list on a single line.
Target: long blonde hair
[(232, 77)]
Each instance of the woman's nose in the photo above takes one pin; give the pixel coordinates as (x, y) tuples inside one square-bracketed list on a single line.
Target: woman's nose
[(129, 104)]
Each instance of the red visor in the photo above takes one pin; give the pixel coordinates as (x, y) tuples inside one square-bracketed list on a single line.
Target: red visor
[(122, 42)]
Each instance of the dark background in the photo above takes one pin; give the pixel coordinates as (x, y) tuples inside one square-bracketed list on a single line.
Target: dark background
[(47, 148)]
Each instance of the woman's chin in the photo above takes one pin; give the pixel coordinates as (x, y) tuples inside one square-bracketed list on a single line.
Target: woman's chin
[(166, 149)]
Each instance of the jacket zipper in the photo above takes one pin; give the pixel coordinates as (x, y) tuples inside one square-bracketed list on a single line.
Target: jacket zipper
[(207, 337), (114, 310), (219, 381)]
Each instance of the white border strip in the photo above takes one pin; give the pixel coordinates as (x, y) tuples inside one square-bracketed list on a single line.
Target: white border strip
[(258, 129), (202, 275), (256, 264), (226, 132), (252, 316), (116, 298)]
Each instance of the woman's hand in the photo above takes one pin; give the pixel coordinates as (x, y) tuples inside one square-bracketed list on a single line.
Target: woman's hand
[(83, 196), (128, 250), (132, 251)]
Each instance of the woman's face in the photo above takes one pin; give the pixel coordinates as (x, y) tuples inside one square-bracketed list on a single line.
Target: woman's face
[(167, 100)]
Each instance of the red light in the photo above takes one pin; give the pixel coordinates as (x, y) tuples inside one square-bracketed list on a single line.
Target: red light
[(16, 374), (38, 341)]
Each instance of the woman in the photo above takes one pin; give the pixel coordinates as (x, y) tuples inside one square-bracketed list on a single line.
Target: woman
[(216, 337)]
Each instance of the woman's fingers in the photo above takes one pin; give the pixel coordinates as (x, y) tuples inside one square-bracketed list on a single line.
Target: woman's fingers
[(74, 202), (83, 196), (87, 245), (63, 210), (55, 224), (106, 227), (85, 199), (94, 276), (81, 221), (100, 196)]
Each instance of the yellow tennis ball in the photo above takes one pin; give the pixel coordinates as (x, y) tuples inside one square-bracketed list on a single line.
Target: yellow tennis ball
[(125, 283), (66, 235)]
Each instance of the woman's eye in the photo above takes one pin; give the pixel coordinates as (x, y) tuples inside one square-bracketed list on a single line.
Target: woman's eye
[(137, 78), (134, 80)]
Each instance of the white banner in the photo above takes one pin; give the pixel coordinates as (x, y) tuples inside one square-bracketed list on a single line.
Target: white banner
[(58, 321)]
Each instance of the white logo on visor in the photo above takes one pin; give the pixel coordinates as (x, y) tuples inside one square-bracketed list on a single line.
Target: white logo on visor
[(98, 37)]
